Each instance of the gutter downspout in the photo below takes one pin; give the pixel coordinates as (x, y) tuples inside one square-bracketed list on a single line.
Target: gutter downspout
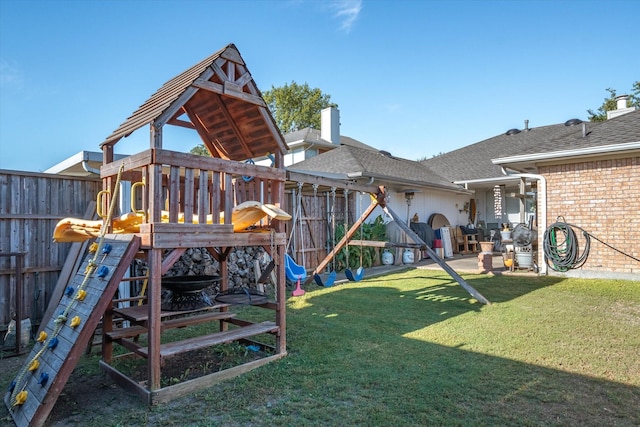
[(87, 168), (542, 216)]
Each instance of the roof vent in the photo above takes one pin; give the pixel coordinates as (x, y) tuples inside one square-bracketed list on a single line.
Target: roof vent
[(386, 153), (513, 131), (572, 122)]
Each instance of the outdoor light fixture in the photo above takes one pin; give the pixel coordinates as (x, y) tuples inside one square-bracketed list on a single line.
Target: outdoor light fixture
[(409, 196)]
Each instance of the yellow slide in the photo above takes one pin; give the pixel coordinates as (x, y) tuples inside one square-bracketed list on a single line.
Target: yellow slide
[(243, 216)]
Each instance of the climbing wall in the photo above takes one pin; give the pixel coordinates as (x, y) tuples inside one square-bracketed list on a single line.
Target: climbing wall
[(62, 342)]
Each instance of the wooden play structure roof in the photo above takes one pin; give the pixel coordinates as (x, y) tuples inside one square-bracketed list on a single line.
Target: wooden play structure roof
[(219, 99)]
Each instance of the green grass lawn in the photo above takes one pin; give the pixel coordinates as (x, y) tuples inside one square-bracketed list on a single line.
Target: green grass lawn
[(413, 348)]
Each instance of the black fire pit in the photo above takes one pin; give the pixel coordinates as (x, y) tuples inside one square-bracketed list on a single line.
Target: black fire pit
[(187, 292)]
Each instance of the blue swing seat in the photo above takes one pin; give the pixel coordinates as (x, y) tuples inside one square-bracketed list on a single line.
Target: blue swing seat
[(294, 271), (359, 274), (330, 279)]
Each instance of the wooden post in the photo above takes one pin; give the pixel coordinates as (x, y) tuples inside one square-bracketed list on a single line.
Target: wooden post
[(154, 323), (281, 310)]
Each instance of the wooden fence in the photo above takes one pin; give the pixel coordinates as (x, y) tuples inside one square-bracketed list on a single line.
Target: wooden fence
[(32, 203), (30, 206)]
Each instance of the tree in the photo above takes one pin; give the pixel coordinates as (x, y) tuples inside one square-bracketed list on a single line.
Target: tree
[(200, 150), (296, 107), (610, 103)]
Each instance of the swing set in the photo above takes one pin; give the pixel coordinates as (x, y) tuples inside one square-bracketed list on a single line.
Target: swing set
[(378, 199)]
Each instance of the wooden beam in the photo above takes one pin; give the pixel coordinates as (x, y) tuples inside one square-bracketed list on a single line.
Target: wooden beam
[(243, 79), (330, 182), (446, 267), (171, 259), (215, 147), (154, 292), (181, 123), (175, 106), (341, 244), (378, 244), (275, 132), (246, 80), (228, 89)]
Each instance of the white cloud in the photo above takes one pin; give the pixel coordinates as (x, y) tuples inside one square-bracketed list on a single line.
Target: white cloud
[(10, 76), (348, 11)]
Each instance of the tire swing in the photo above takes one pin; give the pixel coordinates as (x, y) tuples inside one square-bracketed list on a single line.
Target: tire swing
[(332, 275), (359, 274)]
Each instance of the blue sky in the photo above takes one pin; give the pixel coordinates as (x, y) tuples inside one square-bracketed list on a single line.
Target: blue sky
[(415, 78)]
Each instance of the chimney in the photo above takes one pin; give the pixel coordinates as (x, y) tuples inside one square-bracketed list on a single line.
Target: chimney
[(330, 125), (621, 107), (621, 102)]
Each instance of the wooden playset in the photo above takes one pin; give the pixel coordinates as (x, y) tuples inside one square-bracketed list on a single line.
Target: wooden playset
[(179, 201)]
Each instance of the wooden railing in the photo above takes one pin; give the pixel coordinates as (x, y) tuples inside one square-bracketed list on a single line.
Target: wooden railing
[(177, 187)]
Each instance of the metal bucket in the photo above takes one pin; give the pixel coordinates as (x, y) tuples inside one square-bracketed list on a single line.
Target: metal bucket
[(524, 259)]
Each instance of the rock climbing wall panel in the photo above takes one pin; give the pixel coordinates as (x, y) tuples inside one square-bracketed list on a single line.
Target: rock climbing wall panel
[(59, 346)]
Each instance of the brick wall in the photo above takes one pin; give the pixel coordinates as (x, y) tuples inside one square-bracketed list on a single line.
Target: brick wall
[(603, 198)]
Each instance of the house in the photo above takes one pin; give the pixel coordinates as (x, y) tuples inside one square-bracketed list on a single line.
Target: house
[(591, 177), (582, 172), (411, 187)]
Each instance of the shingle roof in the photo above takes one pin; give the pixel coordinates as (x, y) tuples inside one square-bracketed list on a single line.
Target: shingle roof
[(313, 135), (354, 161), (618, 130), (474, 161), (220, 100)]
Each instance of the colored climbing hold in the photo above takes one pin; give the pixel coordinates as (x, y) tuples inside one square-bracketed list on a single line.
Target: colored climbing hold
[(34, 365), (75, 321), (69, 291), (90, 267), (93, 247), (21, 398), (81, 295), (42, 337), (53, 343), (105, 250), (44, 377), (103, 271)]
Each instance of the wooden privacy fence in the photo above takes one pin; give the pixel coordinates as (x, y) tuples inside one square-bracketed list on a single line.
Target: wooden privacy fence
[(309, 231), (30, 206)]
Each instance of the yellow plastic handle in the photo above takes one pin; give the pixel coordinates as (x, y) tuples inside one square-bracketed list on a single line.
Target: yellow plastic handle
[(133, 197), (99, 203)]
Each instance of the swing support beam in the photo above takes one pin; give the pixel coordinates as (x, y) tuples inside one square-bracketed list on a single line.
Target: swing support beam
[(446, 267), (345, 239), (420, 244)]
